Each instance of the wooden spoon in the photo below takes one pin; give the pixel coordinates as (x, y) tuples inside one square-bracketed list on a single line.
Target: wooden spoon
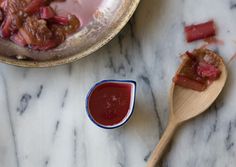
[(184, 105)]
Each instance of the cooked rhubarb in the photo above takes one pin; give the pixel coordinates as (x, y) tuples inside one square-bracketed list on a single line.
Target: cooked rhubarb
[(35, 24), (200, 68), (200, 31)]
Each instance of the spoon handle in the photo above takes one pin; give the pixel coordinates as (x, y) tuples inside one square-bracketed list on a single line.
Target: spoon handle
[(163, 143)]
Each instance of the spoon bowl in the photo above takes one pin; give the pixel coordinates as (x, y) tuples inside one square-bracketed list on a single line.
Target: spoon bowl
[(186, 104)]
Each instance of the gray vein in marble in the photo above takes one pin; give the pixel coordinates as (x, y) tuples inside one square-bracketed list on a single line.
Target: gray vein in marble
[(120, 39), (215, 108), (120, 164), (119, 70), (58, 123), (55, 130), (194, 132), (11, 121), (159, 58), (133, 36), (214, 125), (64, 98), (124, 41), (111, 64), (39, 91), (232, 5), (24, 102), (147, 156), (75, 142), (57, 126), (46, 162), (147, 82), (228, 141)]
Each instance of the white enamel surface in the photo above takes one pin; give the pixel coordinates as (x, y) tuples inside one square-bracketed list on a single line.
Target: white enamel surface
[(51, 128)]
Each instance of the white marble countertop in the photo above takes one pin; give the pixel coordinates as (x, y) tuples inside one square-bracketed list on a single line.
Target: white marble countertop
[(43, 122)]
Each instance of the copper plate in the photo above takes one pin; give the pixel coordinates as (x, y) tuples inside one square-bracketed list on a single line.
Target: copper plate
[(108, 21)]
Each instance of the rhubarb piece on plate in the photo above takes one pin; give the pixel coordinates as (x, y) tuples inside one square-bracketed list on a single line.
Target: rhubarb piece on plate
[(46, 12), (199, 69), (34, 6), (18, 39)]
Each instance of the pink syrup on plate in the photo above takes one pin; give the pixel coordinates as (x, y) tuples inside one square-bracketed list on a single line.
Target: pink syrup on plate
[(83, 9)]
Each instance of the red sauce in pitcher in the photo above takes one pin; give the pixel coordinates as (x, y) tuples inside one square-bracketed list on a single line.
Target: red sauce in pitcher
[(109, 103)]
